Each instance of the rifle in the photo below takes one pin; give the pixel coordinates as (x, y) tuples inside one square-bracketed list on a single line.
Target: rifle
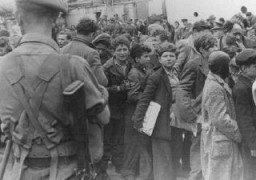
[(5, 159), (74, 98)]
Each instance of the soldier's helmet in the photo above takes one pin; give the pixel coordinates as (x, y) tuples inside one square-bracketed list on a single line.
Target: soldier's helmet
[(59, 5)]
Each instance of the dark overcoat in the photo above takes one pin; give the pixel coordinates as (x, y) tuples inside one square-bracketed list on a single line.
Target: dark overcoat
[(158, 89)]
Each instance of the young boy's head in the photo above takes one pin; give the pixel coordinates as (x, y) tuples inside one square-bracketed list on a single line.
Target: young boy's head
[(140, 54), (167, 55), (247, 61)]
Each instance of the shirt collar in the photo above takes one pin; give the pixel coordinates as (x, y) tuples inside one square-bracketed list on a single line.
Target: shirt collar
[(115, 62), (39, 38), (169, 73)]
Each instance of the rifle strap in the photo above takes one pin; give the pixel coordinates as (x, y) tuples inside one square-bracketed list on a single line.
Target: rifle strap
[(67, 80)]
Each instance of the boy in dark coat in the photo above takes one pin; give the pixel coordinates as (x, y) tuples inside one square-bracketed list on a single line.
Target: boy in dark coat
[(246, 110)]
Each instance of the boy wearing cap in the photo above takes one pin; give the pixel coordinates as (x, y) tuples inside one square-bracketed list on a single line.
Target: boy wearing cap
[(103, 45), (32, 108), (246, 110)]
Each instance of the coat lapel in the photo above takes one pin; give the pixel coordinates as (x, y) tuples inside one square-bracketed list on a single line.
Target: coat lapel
[(245, 80), (203, 67), (166, 81)]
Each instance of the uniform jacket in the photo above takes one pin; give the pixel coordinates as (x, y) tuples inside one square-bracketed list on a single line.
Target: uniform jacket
[(117, 99), (220, 155), (186, 51), (31, 53), (189, 91), (158, 89), (246, 110), (80, 46)]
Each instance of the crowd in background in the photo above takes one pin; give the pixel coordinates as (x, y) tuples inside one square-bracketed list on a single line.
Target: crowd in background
[(203, 129)]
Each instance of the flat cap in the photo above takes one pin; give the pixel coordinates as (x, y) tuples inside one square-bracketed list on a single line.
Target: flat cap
[(201, 25), (184, 20), (245, 56), (102, 37), (60, 5), (217, 26)]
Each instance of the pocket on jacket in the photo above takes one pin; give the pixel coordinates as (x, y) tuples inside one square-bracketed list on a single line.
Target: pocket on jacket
[(221, 147)]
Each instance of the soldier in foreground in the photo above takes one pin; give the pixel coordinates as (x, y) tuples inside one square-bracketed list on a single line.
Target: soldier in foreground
[(32, 106)]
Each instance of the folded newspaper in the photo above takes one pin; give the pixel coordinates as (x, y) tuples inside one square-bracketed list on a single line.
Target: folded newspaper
[(150, 118)]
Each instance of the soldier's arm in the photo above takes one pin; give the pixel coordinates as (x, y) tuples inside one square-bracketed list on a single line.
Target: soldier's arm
[(97, 68), (95, 95)]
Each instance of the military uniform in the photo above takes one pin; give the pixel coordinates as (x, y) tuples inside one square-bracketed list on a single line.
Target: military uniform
[(30, 76)]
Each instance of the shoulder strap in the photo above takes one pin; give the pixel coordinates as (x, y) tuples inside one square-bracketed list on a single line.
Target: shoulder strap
[(29, 97), (32, 104), (65, 73)]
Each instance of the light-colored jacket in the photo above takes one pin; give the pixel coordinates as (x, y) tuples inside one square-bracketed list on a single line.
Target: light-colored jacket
[(220, 156)]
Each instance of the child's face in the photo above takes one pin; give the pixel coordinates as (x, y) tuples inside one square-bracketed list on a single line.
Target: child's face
[(168, 59), (144, 59)]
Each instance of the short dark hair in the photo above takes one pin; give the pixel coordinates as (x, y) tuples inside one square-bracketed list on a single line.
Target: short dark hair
[(138, 50), (201, 26), (86, 26), (120, 40), (228, 26), (204, 41)]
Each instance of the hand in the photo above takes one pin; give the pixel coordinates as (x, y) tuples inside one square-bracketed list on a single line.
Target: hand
[(7, 128), (126, 85), (240, 45)]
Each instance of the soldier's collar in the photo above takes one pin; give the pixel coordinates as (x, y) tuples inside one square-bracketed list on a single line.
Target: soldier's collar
[(39, 38)]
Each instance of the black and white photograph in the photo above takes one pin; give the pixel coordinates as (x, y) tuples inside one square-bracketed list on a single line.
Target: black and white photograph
[(127, 90)]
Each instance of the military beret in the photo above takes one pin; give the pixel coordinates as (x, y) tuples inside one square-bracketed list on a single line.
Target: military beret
[(102, 37), (184, 20), (245, 56), (60, 5)]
